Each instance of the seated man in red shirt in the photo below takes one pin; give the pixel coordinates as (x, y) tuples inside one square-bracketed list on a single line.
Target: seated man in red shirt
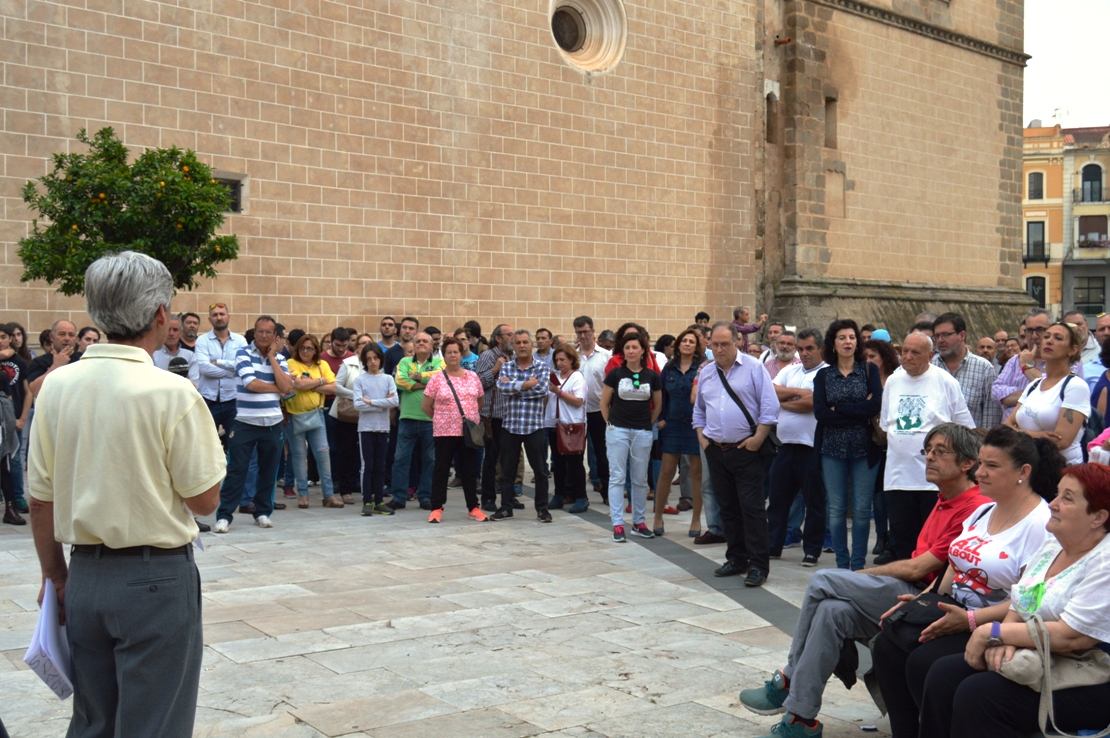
[(841, 605)]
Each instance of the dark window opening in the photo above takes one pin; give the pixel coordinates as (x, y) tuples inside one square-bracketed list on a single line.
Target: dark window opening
[(1036, 186), (830, 122), (569, 29), (1092, 183), (772, 119), (1035, 286), (1090, 295), (235, 195), (1034, 240)]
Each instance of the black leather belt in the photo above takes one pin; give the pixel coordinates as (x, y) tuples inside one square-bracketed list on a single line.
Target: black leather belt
[(94, 549), (726, 446)]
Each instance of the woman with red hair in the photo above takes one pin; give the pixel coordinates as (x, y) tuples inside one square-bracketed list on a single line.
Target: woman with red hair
[(1067, 583)]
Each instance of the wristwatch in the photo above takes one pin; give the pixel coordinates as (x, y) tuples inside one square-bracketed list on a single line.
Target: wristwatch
[(1027, 367), (995, 639)]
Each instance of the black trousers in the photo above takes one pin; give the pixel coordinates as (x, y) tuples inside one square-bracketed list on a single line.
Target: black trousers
[(373, 445), (446, 448), (490, 460), (737, 476), (902, 675), (535, 447), (390, 452), (907, 510), (960, 702), (595, 435), (569, 472), (797, 468)]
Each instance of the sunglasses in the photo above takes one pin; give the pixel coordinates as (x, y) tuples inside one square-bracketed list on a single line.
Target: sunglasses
[(215, 305)]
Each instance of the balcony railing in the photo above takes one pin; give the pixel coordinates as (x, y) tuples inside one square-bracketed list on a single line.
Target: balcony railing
[(1091, 194), (1094, 243), (1036, 251)]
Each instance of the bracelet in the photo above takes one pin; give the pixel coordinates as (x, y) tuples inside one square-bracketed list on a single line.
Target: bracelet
[(971, 626)]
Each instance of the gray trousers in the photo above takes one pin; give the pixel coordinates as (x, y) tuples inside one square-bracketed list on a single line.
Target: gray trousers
[(838, 605), (134, 629)]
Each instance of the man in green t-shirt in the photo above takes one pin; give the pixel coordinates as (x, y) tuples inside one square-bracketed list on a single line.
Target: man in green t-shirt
[(413, 374)]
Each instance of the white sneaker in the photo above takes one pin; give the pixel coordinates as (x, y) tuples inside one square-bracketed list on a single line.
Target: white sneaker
[(263, 521), (221, 526)]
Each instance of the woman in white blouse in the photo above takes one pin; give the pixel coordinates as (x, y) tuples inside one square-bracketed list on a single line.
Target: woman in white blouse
[(1067, 583), (566, 398), (1056, 404)]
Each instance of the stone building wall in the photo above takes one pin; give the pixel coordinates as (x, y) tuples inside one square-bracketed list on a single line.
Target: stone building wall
[(421, 157)]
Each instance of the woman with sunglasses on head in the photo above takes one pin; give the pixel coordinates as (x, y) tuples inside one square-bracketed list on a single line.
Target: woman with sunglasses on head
[(313, 380), (631, 400), (1056, 405)]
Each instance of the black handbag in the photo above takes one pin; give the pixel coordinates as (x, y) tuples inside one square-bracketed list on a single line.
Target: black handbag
[(904, 627), (771, 443), (474, 434)]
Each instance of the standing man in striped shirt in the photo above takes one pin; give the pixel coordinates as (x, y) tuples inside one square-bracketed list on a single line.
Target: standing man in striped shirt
[(263, 378)]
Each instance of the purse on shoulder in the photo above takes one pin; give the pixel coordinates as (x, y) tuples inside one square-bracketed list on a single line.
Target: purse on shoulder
[(474, 434), (1065, 671), (570, 438)]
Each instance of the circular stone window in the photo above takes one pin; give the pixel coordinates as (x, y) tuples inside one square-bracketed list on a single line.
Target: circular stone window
[(590, 34)]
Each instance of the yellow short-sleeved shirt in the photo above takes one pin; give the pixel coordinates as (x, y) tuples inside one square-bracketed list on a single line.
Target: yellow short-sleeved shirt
[(305, 400), (116, 445)]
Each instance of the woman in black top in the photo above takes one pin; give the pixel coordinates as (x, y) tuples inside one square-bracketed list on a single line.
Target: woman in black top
[(631, 400), (846, 395)]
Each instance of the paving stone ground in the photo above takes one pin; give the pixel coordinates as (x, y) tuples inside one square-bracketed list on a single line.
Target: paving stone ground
[(331, 624)]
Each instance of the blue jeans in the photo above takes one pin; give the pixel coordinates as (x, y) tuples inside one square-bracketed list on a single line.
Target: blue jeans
[(409, 432), (16, 464), (849, 481), (709, 500), (373, 446), (245, 441), (299, 444), (623, 444)]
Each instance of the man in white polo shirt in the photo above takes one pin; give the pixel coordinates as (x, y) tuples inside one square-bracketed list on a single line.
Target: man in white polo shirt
[(122, 456), (173, 348), (263, 380)]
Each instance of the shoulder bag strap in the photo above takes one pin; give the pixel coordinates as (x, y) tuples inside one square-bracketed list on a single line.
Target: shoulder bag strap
[(736, 399), (447, 378), (557, 400)]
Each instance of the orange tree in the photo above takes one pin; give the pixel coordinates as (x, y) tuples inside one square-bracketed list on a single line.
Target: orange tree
[(166, 205)]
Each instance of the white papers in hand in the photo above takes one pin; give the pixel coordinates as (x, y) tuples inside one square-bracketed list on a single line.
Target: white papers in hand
[(48, 655)]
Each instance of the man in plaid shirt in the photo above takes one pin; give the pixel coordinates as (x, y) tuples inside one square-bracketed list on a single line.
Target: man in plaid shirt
[(522, 385), (975, 374)]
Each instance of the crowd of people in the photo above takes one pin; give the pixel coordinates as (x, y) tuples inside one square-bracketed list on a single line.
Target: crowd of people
[(972, 462)]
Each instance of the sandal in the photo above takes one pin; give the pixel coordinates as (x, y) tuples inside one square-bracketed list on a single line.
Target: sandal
[(333, 501), (302, 503)]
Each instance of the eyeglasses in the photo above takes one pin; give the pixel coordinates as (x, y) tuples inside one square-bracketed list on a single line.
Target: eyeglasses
[(215, 305), (938, 452), (306, 347), (946, 336), (584, 332), (1039, 331)]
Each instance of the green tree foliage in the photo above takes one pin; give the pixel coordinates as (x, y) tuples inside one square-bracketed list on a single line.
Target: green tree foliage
[(165, 205)]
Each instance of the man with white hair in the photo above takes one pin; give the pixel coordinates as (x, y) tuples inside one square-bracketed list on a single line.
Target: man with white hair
[(916, 399), (122, 455)]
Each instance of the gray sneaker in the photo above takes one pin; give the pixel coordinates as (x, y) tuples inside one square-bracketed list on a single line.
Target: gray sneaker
[(768, 699)]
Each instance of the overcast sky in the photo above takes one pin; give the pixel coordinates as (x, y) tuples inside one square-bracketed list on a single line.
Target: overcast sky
[(1068, 71)]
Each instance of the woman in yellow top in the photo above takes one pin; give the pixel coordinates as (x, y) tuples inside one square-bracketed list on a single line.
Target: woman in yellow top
[(312, 380)]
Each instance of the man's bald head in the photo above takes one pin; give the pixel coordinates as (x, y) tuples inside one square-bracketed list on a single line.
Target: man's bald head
[(917, 352)]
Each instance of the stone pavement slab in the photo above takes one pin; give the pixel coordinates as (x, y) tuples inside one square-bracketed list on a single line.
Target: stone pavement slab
[(331, 624)]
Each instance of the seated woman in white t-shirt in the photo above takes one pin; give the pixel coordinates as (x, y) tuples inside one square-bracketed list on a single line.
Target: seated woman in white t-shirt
[(1019, 474), (566, 403), (1067, 583), (1056, 405)]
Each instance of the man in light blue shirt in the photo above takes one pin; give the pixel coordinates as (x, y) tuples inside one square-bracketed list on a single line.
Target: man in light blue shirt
[(214, 371), (725, 430)]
